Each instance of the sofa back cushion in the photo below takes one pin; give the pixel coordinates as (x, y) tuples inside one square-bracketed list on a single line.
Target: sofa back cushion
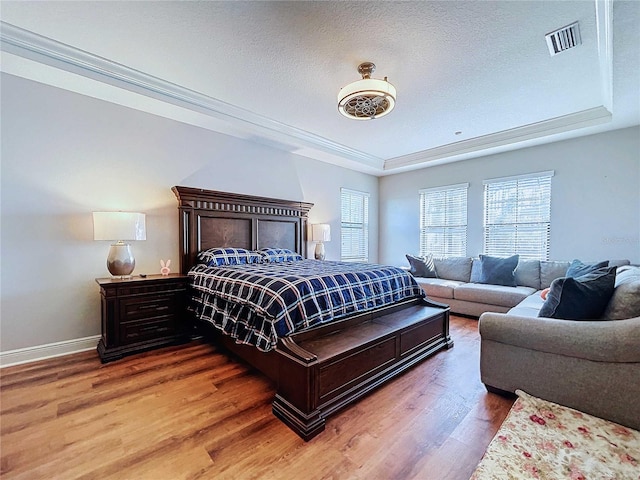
[(453, 268), (581, 298), (550, 270), (528, 273), (625, 301)]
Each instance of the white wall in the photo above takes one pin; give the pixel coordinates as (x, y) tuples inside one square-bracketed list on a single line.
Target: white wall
[(65, 155), (595, 199)]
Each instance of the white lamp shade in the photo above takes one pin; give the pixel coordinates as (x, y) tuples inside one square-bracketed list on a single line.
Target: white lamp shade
[(321, 232), (119, 226)]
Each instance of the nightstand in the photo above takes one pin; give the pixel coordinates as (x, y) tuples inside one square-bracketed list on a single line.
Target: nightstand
[(142, 313)]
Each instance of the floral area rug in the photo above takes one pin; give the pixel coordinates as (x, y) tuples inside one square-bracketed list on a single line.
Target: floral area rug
[(544, 440)]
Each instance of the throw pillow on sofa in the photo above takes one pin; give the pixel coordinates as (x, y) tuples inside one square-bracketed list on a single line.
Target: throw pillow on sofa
[(498, 270), (581, 298), (577, 268), (422, 266), (453, 268)]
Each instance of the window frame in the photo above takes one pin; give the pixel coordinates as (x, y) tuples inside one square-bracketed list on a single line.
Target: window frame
[(452, 231), (361, 251), (503, 236)]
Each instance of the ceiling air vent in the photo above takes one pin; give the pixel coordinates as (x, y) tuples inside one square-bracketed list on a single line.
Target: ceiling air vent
[(563, 39)]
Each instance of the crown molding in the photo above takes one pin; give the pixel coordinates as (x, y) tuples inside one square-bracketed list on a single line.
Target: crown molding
[(565, 123), (239, 122), (42, 59)]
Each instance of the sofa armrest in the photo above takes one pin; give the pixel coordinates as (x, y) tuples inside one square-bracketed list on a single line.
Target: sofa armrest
[(601, 341)]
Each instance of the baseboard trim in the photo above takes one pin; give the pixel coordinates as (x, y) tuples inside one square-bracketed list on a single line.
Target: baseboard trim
[(49, 350)]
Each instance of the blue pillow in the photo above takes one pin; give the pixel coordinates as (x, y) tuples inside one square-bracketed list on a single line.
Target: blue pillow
[(581, 298), (215, 257), (498, 270), (577, 268), (422, 266), (276, 255)]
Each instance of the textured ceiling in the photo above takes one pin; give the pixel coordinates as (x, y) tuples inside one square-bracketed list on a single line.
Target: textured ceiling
[(479, 68)]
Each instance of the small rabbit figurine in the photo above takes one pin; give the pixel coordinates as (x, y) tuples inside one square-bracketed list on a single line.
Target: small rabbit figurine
[(165, 268)]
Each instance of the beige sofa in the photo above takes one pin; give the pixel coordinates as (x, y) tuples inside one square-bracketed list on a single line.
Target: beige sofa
[(592, 366), (457, 284)]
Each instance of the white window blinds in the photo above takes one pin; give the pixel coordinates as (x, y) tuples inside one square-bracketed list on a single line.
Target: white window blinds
[(517, 216), (354, 226), (443, 221)]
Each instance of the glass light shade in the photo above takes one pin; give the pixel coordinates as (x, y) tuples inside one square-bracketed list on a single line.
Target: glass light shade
[(321, 232), (367, 99), (119, 226)]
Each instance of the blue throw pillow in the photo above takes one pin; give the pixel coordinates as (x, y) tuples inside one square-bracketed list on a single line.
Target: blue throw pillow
[(498, 270), (577, 268), (422, 266), (277, 255), (216, 257), (582, 298)]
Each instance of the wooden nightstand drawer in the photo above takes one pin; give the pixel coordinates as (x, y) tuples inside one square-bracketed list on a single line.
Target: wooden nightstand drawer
[(142, 313), (150, 306), (151, 328)]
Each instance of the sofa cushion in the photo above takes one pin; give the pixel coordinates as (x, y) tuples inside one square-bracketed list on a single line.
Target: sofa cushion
[(492, 294), (624, 303), (529, 307), (581, 298), (578, 268), (498, 270), (627, 274), (528, 273), (550, 270), (453, 268), (422, 266), (438, 287), (619, 263)]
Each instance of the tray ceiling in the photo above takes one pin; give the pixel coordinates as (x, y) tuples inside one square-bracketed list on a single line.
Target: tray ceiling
[(473, 78)]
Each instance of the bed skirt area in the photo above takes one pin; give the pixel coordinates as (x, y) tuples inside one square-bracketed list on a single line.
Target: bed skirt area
[(544, 440)]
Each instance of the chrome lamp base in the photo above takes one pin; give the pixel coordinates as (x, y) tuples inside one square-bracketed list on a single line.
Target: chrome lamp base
[(120, 261), (319, 253)]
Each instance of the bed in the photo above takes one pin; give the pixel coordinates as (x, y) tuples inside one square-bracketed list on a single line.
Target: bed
[(318, 363)]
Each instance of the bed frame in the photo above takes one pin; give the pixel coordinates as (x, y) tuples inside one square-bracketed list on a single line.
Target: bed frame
[(325, 368)]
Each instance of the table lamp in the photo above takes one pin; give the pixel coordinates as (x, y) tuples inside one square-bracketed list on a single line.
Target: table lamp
[(320, 233), (119, 227)]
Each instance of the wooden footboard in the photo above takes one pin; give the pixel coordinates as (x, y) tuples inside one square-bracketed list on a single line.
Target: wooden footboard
[(325, 369)]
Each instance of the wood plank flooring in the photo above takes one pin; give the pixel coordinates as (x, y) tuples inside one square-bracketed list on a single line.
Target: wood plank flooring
[(191, 412)]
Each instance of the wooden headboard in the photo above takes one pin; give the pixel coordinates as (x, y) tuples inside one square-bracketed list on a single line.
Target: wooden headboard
[(218, 219)]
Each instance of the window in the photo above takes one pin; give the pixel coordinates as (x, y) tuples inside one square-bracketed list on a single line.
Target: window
[(517, 216), (443, 221), (355, 226)]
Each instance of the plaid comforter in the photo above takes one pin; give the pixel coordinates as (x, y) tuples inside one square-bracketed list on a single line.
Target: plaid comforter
[(255, 304)]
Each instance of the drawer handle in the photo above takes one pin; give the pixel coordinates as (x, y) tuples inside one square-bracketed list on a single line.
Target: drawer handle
[(155, 307), (146, 329)]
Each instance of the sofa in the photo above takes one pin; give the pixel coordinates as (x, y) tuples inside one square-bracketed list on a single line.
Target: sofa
[(591, 365), (455, 281)]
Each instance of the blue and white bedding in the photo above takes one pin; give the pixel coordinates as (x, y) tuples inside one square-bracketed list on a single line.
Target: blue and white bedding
[(257, 303)]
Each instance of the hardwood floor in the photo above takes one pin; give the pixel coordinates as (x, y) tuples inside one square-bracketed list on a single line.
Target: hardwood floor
[(190, 412)]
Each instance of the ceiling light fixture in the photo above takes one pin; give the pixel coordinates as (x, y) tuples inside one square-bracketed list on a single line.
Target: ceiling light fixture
[(368, 98)]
